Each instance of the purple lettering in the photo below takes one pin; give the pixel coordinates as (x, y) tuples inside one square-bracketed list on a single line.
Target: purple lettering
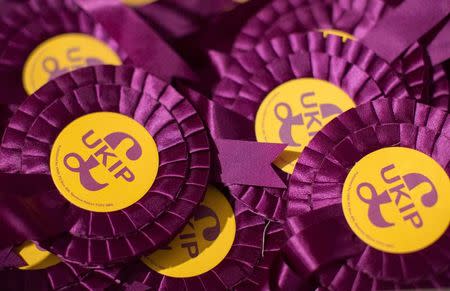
[(102, 152), (415, 219), (399, 193), (126, 174), (313, 118), (85, 140), (303, 100), (192, 249), (386, 179)]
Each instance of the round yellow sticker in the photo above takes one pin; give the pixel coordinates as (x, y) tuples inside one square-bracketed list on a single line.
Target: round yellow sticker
[(294, 112), (62, 54), (104, 162), (137, 3), (203, 243), (35, 258), (397, 200), (344, 35)]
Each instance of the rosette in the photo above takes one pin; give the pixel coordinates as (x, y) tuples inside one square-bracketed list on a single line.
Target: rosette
[(222, 248), (152, 121), (286, 16), (47, 272), (42, 39), (325, 69), (354, 251)]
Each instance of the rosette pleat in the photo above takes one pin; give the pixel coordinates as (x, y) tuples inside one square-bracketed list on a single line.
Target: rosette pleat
[(246, 264), (28, 24), (58, 277), (315, 197), (318, 169), (282, 17), (249, 77), (275, 238), (183, 147)]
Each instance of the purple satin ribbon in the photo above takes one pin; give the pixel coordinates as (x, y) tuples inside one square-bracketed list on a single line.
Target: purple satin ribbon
[(400, 27), (236, 153), (142, 44), (248, 163), (439, 47)]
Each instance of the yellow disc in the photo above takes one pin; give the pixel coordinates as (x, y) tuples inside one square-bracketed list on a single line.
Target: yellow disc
[(35, 258), (62, 54), (344, 35), (202, 244), (137, 3), (104, 162), (397, 200), (294, 112)]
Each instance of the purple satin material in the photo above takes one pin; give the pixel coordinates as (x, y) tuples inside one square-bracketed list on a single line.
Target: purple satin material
[(175, 19), (9, 259), (401, 27), (96, 239), (230, 135), (246, 264), (239, 159), (438, 49), (61, 276), (248, 78), (315, 210), (281, 17), (144, 46)]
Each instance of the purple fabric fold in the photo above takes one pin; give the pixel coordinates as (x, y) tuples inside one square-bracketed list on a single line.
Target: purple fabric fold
[(61, 276), (438, 47), (244, 261), (144, 46), (401, 27), (237, 161), (281, 17), (315, 209), (98, 239), (248, 77)]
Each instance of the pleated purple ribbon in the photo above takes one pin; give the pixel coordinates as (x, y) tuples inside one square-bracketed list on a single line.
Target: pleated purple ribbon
[(32, 208), (281, 17), (245, 266), (248, 77), (321, 249), (142, 44), (96, 239), (401, 27)]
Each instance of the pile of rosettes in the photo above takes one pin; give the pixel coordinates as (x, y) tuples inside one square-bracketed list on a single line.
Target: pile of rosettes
[(224, 145)]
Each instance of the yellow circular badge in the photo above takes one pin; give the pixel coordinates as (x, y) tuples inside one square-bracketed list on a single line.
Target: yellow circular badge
[(35, 258), (397, 200), (137, 3), (203, 243), (344, 35), (294, 112), (62, 54), (104, 162)]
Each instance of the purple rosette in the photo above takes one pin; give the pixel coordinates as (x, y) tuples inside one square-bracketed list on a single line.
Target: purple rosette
[(28, 24), (92, 238), (286, 16), (341, 261), (245, 266), (315, 161), (248, 78)]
